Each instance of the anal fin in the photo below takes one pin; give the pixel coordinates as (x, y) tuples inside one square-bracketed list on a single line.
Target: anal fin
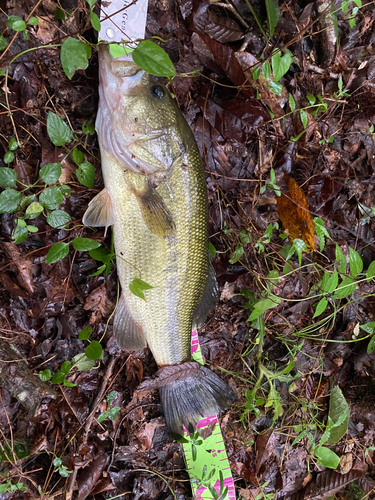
[(100, 211), (128, 333), (155, 213), (209, 299)]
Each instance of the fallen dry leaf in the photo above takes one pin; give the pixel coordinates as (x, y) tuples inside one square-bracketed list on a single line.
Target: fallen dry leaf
[(295, 214), (98, 302)]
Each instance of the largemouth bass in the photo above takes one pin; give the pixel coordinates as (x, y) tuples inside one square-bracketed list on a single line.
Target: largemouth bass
[(155, 198)]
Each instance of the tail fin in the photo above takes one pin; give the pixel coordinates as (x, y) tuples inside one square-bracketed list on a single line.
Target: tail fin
[(190, 392)]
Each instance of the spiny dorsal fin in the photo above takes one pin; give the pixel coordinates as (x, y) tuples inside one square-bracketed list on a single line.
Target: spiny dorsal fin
[(100, 211), (128, 333), (155, 213)]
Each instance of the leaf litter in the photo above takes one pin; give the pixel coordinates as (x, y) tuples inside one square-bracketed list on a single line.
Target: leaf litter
[(306, 129)]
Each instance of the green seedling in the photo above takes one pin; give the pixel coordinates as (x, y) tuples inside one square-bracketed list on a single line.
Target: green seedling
[(60, 468), (112, 412)]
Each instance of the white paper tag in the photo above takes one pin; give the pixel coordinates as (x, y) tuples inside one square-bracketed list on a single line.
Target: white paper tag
[(126, 20)]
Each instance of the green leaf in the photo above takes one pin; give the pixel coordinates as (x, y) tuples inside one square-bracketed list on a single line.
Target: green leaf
[(65, 190), (83, 363), (8, 157), (20, 233), (266, 70), (280, 65), (85, 333), (320, 307), (16, 23), (32, 229), (95, 21), (3, 42), (341, 259), (58, 218), (9, 201), (57, 462), (237, 254), (137, 286), (275, 88), (58, 378), (368, 327), (371, 346), (256, 73), (51, 198), (355, 262), (327, 457), (304, 117), (67, 383), (212, 249), (50, 173), (273, 12), (85, 244), (33, 21), (60, 14), (74, 55), (100, 270), (58, 131), (111, 396), (332, 282), (112, 414), (338, 409), (94, 350), (263, 305), (311, 98), (13, 144), (33, 210), (370, 271), (77, 156), (321, 232), (57, 252), (347, 286), (86, 174), (153, 59), (91, 3), (88, 129), (45, 375), (65, 367), (102, 417), (8, 177), (292, 103), (273, 276), (101, 254)]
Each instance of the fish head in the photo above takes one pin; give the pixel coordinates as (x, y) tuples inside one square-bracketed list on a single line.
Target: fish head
[(138, 120)]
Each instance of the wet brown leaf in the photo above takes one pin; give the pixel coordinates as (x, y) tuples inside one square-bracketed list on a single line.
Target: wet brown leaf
[(23, 264), (90, 476), (99, 304), (295, 214)]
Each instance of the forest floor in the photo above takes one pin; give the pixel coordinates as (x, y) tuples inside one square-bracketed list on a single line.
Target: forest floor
[(288, 147)]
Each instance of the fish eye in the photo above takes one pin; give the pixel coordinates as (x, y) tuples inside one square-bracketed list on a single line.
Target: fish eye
[(158, 92)]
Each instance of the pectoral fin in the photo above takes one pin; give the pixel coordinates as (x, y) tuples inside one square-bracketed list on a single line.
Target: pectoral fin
[(128, 333), (155, 213), (100, 211)]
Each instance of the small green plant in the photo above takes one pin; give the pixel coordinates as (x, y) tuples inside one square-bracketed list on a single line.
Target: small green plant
[(206, 481), (271, 185), (16, 23), (9, 487), (341, 93), (60, 468), (266, 237), (112, 412), (81, 362)]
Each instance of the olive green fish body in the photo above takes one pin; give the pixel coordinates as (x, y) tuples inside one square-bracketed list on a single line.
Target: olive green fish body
[(155, 198), (175, 265)]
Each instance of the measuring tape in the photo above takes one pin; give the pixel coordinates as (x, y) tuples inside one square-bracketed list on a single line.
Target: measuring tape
[(210, 455), (206, 461)]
